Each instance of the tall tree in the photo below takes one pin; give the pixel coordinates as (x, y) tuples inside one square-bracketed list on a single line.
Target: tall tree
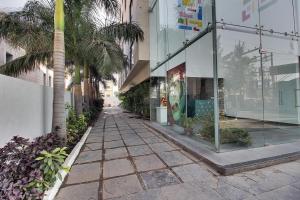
[(58, 117)]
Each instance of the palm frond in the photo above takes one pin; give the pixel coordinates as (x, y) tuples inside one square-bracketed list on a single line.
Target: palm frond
[(128, 32), (25, 63)]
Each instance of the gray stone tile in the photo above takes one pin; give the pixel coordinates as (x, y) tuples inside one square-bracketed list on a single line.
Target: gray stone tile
[(140, 129), (284, 193), (95, 135), (109, 138), (231, 193), (146, 134), (296, 185), (152, 140), (117, 168), (159, 178), (122, 186), (291, 168), (153, 194), (94, 140), (94, 146), (88, 191), (115, 153), (130, 136), (160, 147), (112, 133), (113, 144), (132, 142), (139, 150), (149, 162), (89, 156), (127, 131), (189, 191), (84, 173), (174, 158), (194, 172), (259, 181), (124, 127)]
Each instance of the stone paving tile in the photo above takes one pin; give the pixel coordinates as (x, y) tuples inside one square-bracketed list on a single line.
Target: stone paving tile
[(94, 146), (231, 193), (94, 140), (113, 144), (132, 142), (130, 131), (88, 191), (159, 178), (160, 147), (89, 156), (189, 191), (174, 158), (111, 133), (149, 162), (284, 193), (152, 140), (153, 194), (146, 134), (292, 169), (84, 173), (259, 181), (118, 167), (122, 186), (128, 136), (140, 129), (296, 185), (96, 135), (194, 172), (139, 150), (109, 138), (115, 153)]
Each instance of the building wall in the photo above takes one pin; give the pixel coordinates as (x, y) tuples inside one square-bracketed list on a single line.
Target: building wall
[(41, 75), (26, 108), (138, 53)]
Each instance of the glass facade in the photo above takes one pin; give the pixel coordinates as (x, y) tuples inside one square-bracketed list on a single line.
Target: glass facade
[(250, 97)]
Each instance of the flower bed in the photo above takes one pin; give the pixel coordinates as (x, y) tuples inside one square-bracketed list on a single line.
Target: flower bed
[(29, 168)]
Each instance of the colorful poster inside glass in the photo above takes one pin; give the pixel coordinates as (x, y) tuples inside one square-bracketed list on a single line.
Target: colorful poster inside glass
[(190, 14), (176, 94)]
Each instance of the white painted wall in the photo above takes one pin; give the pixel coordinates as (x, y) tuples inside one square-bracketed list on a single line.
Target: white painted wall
[(25, 108)]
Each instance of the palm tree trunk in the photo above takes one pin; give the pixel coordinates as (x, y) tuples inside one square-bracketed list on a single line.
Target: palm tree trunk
[(59, 118), (86, 86), (91, 90), (77, 90)]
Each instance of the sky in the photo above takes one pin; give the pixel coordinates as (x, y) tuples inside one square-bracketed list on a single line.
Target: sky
[(12, 3)]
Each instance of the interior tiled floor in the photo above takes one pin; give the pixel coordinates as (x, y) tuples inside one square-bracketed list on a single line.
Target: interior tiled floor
[(123, 159)]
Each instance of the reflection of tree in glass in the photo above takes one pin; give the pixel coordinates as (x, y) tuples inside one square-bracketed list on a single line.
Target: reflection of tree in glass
[(238, 70)]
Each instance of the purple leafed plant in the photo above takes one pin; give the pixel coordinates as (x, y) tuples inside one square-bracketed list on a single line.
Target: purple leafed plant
[(18, 166)]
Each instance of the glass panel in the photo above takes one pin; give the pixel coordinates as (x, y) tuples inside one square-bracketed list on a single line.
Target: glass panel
[(158, 108), (238, 12), (281, 81), (153, 22), (162, 31), (240, 90), (277, 15)]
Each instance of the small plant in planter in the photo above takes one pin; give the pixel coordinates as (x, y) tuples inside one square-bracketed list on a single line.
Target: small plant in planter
[(187, 124)]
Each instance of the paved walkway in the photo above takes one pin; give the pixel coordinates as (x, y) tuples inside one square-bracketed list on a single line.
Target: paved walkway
[(124, 160)]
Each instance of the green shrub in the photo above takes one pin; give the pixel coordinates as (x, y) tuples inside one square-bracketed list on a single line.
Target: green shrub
[(235, 135), (51, 163), (136, 100), (76, 126), (228, 135)]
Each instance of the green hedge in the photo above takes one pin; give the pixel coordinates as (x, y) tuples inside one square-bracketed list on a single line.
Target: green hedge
[(136, 100)]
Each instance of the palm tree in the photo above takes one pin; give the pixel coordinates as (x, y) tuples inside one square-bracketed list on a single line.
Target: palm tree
[(58, 117), (87, 41)]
